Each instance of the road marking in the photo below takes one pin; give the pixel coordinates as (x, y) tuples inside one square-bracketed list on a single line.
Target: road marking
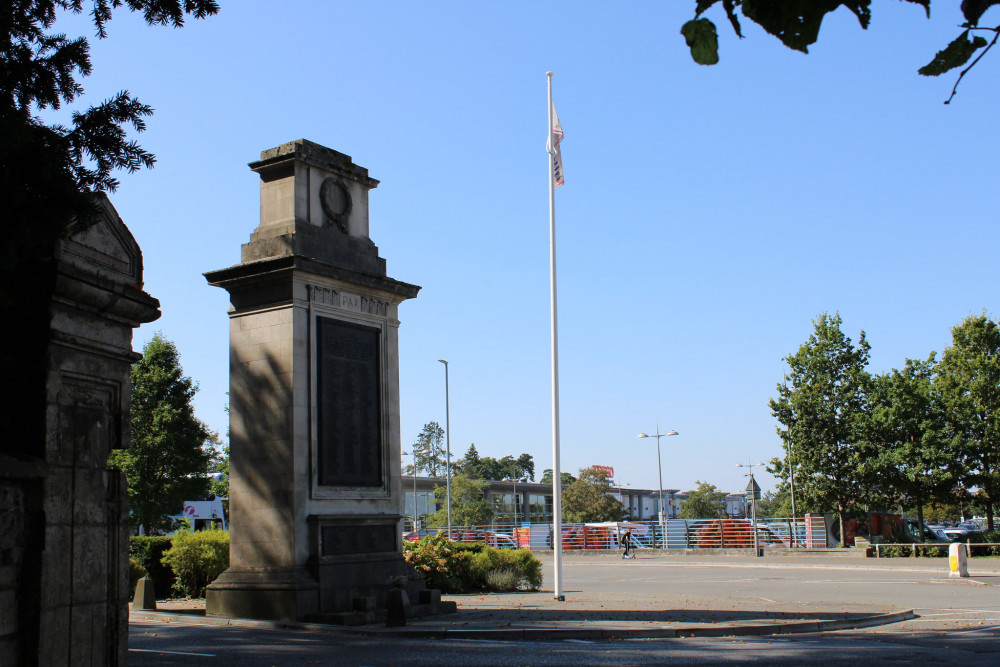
[(969, 632), (952, 610), (150, 650)]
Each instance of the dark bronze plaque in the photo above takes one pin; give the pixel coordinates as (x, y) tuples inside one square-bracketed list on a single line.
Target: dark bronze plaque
[(366, 539), (348, 399)]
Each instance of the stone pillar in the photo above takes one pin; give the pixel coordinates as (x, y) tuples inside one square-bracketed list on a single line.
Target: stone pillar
[(315, 489), (63, 515)]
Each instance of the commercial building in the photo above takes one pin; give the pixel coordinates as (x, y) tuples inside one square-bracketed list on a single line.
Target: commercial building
[(517, 502)]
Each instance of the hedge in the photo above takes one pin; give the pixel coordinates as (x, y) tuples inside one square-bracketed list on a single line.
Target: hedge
[(197, 559), (148, 552)]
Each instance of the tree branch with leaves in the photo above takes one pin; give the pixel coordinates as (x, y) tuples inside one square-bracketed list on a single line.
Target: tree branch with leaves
[(796, 24)]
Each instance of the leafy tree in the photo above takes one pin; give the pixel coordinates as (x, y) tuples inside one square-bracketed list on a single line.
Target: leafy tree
[(469, 506), (169, 455), (489, 468), (220, 464), (566, 478), (796, 23), (906, 425), (969, 384), (523, 466), (428, 451), (48, 174), (705, 502), (774, 504), (821, 409), (589, 499)]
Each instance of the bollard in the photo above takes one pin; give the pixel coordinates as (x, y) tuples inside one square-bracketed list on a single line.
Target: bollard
[(958, 560), (397, 601), (145, 595)]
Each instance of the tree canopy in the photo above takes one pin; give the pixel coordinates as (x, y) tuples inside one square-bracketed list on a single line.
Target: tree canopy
[(488, 468), (428, 451), (469, 506), (820, 408), (48, 173), (705, 502), (566, 478), (796, 24), (589, 499), (970, 390), (170, 453), (906, 427)]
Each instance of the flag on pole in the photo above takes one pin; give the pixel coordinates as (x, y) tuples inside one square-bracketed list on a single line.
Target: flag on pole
[(553, 148)]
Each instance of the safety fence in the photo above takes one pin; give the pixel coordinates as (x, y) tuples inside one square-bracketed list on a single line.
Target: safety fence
[(670, 534)]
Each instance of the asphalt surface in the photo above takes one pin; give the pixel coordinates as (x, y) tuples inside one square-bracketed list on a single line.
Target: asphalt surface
[(663, 596)]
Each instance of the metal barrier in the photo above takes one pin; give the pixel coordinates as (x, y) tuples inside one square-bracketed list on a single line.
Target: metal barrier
[(671, 534)]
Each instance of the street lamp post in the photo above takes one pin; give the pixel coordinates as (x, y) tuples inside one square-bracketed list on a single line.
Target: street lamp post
[(523, 479), (659, 468), (415, 526), (791, 480), (753, 502), (621, 497), (447, 434)]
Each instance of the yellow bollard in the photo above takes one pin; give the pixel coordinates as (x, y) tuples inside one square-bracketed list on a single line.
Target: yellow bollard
[(958, 558)]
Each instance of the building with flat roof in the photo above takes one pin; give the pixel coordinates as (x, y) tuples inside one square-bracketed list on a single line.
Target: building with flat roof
[(517, 502)]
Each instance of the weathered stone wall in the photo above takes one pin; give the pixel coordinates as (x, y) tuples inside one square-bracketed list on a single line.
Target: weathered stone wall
[(63, 515)]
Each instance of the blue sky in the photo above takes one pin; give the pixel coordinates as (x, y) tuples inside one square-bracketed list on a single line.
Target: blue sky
[(709, 214)]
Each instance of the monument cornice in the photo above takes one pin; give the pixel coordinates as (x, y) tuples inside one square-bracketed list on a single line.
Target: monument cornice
[(307, 152), (273, 267)]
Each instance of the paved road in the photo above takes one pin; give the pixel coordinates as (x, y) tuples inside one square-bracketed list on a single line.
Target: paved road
[(958, 620)]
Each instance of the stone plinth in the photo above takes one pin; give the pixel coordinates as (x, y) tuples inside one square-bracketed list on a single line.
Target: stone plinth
[(315, 490)]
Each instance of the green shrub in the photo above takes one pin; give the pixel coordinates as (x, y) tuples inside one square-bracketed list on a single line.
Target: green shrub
[(521, 562), (906, 551), (442, 563), (458, 567), (148, 553), (135, 572), (197, 559), (504, 580), (990, 536)]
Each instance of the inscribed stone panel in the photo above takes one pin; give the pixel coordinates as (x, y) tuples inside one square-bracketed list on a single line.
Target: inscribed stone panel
[(358, 539), (348, 401)]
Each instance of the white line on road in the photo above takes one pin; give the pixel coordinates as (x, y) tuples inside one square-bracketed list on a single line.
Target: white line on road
[(993, 628), (150, 650)]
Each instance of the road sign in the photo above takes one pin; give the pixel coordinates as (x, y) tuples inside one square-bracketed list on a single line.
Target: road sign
[(753, 489)]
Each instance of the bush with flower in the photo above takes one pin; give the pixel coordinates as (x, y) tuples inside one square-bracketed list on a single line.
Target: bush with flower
[(458, 567)]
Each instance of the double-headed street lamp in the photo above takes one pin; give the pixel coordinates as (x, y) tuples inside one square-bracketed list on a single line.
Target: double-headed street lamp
[(659, 467), (752, 490), (447, 434)]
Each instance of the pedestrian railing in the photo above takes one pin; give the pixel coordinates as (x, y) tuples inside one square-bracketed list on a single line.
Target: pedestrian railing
[(670, 534)]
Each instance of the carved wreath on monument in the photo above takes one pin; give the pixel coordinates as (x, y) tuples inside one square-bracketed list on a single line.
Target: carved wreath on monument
[(336, 202)]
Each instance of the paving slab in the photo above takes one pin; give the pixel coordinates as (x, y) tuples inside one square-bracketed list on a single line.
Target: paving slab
[(639, 613)]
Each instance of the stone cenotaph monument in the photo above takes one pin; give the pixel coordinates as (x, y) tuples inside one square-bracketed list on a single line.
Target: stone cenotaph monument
[(315, 485)]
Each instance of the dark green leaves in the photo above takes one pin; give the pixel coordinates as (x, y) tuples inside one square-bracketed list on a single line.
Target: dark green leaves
[(954, 55), (797, 22), (703, 41), (973, 10)]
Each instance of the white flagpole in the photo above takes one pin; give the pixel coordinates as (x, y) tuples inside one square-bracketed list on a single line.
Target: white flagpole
[(556, 474)]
